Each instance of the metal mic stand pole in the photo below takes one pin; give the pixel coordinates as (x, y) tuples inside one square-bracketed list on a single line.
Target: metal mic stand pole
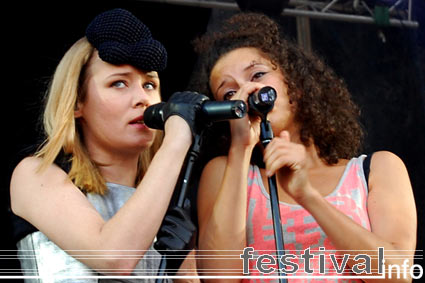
[(266, 136), (191, 158)]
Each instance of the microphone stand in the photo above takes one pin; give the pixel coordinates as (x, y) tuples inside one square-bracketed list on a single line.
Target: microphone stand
[(192, 156), (266, 136)]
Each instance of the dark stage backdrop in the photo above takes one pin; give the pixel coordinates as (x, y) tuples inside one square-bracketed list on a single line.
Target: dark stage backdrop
[(387, 79)]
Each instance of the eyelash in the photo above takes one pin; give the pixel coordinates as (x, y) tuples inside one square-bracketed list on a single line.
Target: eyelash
[(116, 84), (229, 94), (258, 75), (154, 86)]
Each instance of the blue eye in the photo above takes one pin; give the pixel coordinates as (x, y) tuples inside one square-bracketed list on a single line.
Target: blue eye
[(119, 84), (149, 85)]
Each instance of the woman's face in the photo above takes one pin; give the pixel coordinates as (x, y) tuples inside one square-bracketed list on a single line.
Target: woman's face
[(246, 65), (111, 114)]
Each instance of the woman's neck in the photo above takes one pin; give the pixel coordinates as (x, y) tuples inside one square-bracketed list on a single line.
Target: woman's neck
[(118, 169), (313, 158)]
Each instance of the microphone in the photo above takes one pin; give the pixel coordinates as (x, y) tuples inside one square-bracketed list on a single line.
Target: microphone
[(262, 101), (211, 111)]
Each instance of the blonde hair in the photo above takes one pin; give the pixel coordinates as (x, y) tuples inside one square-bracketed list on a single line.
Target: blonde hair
[(62, 133)]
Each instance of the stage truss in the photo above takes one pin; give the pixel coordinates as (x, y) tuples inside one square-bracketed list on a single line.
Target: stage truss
[(383, 12)]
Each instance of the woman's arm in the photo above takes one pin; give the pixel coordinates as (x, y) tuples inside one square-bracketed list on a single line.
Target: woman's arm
[(222, 196), (391, 205), (222, 202), (51, 202), (392, 215)]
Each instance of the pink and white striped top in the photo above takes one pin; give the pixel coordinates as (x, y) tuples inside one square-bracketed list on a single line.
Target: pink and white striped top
[(300, 229)]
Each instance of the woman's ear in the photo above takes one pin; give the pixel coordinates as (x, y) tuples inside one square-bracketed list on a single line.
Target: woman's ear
[(78, 111)]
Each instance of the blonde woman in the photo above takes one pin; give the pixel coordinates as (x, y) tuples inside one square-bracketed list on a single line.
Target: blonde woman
[(94, 191)]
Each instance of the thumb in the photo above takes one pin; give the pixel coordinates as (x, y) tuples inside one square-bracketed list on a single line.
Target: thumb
[(285, 136)]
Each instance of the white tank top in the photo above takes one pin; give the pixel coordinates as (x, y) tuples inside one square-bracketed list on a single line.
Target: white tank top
[(42, 258)]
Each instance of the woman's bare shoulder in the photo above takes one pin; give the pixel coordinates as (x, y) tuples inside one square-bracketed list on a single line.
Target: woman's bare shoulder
[(28, 182)]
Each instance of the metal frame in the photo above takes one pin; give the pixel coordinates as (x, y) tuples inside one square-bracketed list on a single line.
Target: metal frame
[(356, 11)]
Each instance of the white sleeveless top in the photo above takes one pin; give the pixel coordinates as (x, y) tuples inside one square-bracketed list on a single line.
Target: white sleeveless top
[(42, 258)]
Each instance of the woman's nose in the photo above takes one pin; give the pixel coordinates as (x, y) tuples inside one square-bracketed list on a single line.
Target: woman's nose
[(141, 98)]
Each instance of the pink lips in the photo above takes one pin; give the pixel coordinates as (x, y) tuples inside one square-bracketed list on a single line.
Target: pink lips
[(138, 122)]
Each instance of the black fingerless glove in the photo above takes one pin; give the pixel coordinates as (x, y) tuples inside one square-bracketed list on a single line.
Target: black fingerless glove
[(186, 105), (175, 238)]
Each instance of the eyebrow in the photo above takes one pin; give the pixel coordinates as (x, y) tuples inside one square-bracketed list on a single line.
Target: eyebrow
[(151, 74), (252, 64), (119, 74)]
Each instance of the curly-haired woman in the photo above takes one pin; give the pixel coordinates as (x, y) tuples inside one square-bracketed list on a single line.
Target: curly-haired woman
[(327, 204)]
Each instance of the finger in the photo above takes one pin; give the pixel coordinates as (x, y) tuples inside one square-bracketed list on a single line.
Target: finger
[(179, 218), (277, 163), (246, 90), (276, 144), (174, 235), (283, 154), (273, 153), (285, 135), (255, 124)]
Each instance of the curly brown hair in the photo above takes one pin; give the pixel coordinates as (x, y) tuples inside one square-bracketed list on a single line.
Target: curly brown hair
[(323, 106)]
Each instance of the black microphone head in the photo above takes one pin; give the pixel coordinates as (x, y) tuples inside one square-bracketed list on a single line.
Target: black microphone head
[(215, 111), (262, 101), (153, 116), (266, 96)]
